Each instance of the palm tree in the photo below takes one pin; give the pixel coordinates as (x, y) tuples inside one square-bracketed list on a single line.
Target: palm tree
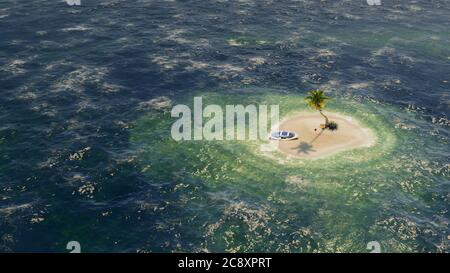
[(317, 100)]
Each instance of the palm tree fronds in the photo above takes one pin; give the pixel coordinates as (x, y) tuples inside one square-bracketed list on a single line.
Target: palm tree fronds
[(317, 99)]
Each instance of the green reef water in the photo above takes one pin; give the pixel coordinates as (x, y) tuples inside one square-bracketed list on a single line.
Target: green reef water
[(243, 198), (86, 152)]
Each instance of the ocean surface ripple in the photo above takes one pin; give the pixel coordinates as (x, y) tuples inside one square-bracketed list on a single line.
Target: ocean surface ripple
[(85, 155)]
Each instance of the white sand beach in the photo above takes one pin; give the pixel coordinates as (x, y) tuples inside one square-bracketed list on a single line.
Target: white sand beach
[(313, 142)]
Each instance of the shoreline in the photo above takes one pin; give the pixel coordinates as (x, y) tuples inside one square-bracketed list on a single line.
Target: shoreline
[(314, 142)]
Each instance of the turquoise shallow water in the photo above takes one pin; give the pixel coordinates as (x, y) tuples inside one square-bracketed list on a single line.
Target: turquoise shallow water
[(336, 203), (84, 118)]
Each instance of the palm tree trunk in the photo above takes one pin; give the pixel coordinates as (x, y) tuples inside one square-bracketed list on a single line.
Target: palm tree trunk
[(326, 118)]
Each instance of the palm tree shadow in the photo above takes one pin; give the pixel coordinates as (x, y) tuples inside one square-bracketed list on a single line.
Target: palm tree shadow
[(304, 147), (318, 135)]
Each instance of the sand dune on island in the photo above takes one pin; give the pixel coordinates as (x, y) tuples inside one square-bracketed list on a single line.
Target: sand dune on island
[(314, 142)]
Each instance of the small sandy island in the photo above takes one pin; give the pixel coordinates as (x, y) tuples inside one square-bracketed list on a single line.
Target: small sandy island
[(314, 142)]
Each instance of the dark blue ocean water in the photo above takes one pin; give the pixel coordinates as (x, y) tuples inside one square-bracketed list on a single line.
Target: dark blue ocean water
[(74, 80)]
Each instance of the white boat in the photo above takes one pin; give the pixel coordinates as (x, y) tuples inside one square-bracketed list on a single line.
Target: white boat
[(283, 135)]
